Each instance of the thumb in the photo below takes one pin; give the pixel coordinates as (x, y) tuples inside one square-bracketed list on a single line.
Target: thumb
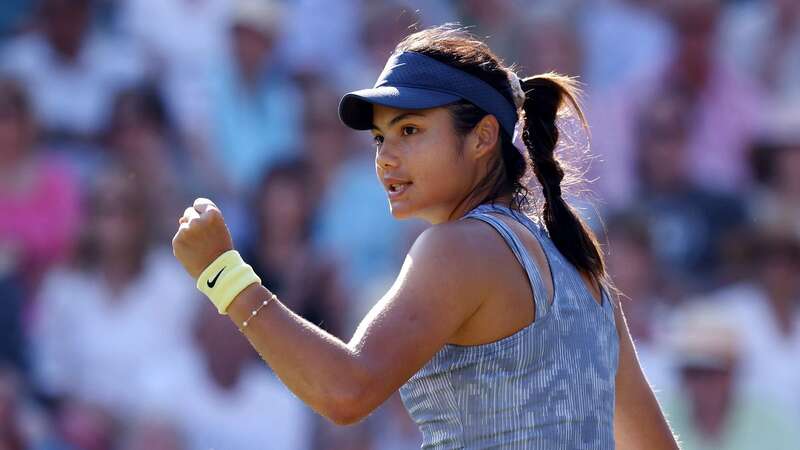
[(201, 205)]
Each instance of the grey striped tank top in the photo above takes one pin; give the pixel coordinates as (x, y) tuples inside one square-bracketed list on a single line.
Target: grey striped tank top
[(549, 386)]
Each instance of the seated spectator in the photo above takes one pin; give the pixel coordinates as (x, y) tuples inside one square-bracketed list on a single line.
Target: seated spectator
[(256, 108), (622, 39), (767, 307), (71, 71), (722, 108), (644, 295), (182, 40), (121, 311), (763, 40), (686, 221), (140, 135), (710, 411), (38, 193), (549, 42), (282, 253), (224, 396)]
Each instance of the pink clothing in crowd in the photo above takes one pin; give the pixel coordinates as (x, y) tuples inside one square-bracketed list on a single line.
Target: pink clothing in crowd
[(39, 223), (723, 125)]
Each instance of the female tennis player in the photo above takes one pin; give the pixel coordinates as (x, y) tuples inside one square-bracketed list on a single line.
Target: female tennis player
[(499, 330)]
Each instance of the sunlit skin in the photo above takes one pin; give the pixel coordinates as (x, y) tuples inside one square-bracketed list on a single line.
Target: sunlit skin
[(422, 147)]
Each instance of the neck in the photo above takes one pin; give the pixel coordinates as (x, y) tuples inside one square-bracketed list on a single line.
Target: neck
[(470, 203), (118, 271)]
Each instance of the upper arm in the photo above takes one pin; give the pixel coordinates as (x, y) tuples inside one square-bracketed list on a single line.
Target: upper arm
[(638, 420), (439, 287)]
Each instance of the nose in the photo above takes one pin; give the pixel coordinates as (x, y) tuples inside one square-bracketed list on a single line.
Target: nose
[(385, 156)]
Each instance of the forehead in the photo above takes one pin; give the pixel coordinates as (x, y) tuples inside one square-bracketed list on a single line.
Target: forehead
[(384, 117)]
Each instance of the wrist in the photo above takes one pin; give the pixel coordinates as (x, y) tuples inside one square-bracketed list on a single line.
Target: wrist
[(225, 278)]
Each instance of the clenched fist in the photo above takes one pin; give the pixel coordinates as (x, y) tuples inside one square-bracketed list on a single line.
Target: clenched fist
[(202, 236)]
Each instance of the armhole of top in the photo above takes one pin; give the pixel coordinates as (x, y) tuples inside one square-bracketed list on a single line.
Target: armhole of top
[(541, 300)]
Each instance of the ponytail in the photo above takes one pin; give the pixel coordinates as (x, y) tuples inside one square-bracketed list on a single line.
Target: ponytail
[(544, 96)]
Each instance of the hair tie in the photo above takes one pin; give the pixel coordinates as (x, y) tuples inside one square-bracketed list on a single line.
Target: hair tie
[(516, 89)]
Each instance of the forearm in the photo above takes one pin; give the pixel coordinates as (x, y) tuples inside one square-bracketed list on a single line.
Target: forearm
[(318, 367)]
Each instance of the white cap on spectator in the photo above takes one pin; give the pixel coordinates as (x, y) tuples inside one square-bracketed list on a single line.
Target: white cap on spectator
[(703, 335), (263, 16)]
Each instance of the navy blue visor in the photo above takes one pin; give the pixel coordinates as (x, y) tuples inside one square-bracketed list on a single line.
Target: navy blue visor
[(412, 80)]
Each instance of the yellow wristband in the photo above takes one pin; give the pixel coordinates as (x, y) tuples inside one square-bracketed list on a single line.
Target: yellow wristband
[(225, 278)]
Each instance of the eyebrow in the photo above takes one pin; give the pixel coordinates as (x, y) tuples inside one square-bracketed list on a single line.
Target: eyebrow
[(398, 118)]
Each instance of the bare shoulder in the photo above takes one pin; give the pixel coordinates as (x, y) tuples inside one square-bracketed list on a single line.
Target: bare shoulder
[(462, 235), (464, 243)]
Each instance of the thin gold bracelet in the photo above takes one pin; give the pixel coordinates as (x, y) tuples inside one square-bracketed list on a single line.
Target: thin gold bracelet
[(255, 311)]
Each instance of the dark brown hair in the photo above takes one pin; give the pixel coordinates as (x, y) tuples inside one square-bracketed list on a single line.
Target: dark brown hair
[(545, 95)]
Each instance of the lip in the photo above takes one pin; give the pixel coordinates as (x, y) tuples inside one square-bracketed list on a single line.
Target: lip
[(388, 181)]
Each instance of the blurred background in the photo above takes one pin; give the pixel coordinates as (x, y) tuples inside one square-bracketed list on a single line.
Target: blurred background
[(116, 114)]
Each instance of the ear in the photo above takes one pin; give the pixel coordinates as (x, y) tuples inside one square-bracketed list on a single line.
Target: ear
[(484, 137)]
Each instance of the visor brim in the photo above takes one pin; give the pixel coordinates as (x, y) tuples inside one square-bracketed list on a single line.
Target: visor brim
[(355, 108)]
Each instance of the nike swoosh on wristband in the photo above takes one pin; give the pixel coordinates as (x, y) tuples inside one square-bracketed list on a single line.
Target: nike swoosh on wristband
[(210, 283)]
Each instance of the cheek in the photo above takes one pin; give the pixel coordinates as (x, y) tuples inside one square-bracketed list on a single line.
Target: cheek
[(440, 168)]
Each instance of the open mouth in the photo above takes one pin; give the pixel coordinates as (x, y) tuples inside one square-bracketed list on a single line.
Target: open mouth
[(396, 189)]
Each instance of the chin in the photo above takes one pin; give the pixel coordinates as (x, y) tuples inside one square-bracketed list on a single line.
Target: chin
[(400, 212)]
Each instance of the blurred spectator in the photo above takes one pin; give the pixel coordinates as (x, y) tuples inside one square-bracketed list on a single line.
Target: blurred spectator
[(139, 134), (722, 109), (711, 412), (257, 109), (328, 145), (38, 194), (103, 325), (225, 397), (71, 71), (767, 306), (335, 34), (181, 40), (384, 25), (220, 98), (282, 253), (637, 276), (492, 18), (622, 39), (775, 202), (548, 42), (686, 220), (763, 39)]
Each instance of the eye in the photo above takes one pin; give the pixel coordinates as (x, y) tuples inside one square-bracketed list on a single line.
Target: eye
[(377, 139), (409, 130)]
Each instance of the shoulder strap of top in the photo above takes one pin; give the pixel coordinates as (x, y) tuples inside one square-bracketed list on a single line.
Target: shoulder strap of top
[(540, 296)]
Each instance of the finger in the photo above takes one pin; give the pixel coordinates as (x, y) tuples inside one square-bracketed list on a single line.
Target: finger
[(190, 213), (202, 204)]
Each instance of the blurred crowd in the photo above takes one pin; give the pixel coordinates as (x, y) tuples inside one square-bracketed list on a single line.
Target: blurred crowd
[(116, 114)]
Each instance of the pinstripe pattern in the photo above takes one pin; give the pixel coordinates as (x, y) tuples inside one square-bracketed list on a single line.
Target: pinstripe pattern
[(549, 386)]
